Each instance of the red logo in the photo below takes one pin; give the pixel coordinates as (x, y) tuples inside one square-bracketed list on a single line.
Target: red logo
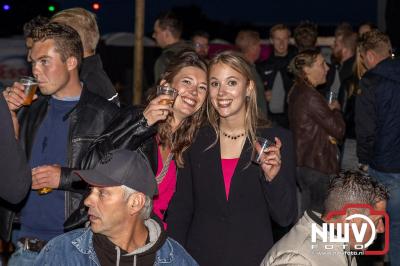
[(343, 229)]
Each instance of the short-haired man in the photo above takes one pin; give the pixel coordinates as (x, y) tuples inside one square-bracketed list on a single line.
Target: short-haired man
[(249, 43), (377, 123), (167, 33), (28, 32), (297, 246), (305, 35), (91, 73), (121, 231), (55, 132), (200, 41), (344, 57), (275, 75)]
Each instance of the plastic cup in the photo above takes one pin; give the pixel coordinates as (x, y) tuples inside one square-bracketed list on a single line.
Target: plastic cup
[(263, 143), (30, 87), (332, 96), (166, 90)]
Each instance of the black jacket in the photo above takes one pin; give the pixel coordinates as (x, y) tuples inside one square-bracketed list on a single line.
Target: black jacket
[(235, 232), (128, 130), (15, 176), (96, 80), (378, 117), (88, 120), (268, 71), (347, 94)]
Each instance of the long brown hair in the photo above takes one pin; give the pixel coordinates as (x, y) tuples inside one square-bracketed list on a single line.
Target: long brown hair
[(252, 118), (183, 137)]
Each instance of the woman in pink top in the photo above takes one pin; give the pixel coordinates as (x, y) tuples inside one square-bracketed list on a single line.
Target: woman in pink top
[(162, 132), (223, 205)]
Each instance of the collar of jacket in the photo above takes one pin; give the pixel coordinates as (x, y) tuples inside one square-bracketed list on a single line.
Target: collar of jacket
[(84, 244)]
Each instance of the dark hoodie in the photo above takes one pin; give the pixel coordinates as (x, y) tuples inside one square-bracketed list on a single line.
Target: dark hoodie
[(377, 117), (111, 255)]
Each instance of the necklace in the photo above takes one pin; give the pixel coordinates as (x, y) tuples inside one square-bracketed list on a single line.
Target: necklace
[(232, 137)]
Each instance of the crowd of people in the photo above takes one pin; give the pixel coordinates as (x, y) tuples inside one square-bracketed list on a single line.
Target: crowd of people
[(187, 178)]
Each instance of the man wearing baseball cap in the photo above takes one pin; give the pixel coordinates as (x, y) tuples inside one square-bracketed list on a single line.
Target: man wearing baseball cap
[(121, 231)]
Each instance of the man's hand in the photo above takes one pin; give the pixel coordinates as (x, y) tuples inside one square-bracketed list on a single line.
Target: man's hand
[(15, 96), (46, 176)]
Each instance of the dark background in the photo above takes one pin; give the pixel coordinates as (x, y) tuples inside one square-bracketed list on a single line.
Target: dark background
[(215, 16)]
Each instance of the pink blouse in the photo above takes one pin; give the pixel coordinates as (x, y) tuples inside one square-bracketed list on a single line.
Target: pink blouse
[(166, 188), (228, 168)]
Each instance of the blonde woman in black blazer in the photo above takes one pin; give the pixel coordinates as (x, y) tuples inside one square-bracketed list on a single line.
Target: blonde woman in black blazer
[(222, 218)]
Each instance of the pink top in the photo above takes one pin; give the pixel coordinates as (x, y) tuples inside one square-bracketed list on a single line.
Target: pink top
[(228, 168), (166, 188)]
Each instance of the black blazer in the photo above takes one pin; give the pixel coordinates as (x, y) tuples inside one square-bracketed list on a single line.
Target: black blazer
[(235, 232)]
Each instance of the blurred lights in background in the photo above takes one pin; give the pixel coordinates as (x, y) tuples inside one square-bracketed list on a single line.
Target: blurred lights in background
[(51, 8), (96, 6), (6, 7)]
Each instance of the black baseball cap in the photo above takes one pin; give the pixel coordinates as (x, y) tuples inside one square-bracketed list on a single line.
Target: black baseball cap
[(122, 167)]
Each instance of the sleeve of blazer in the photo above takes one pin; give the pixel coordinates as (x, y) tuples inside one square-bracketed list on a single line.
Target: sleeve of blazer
[(180, 210), (331, 121), (280, 193), (365, 120), (15, 176)]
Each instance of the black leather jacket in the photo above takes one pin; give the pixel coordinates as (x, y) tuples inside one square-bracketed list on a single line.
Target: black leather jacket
[(88, 120), (128, 130)]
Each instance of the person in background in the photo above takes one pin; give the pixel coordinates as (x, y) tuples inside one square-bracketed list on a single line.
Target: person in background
[(366, 27), (305, 37), (28, 32), (344, 52), (249, 44), (167, 33), (200, 41), (377, 124), (317, 127), (222, 209), (91, 72), (275, 75)]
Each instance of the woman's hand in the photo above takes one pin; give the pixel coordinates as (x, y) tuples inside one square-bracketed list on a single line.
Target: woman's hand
[(155, 111), (271, 160)]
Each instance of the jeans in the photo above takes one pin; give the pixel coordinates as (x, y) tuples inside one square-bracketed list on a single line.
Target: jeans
[(22, 257), (392, 183), (313, 188)]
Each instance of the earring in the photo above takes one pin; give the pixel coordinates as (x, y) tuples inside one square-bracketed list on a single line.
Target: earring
[(247, 98)]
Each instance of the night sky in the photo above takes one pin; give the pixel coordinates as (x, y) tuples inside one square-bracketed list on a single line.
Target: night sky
[(117, 15)]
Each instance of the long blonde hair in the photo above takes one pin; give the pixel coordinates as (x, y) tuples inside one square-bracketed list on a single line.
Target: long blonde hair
[(252, 118)]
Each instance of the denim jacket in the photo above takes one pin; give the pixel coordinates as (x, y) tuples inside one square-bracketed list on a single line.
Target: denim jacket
[(76, 248)]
